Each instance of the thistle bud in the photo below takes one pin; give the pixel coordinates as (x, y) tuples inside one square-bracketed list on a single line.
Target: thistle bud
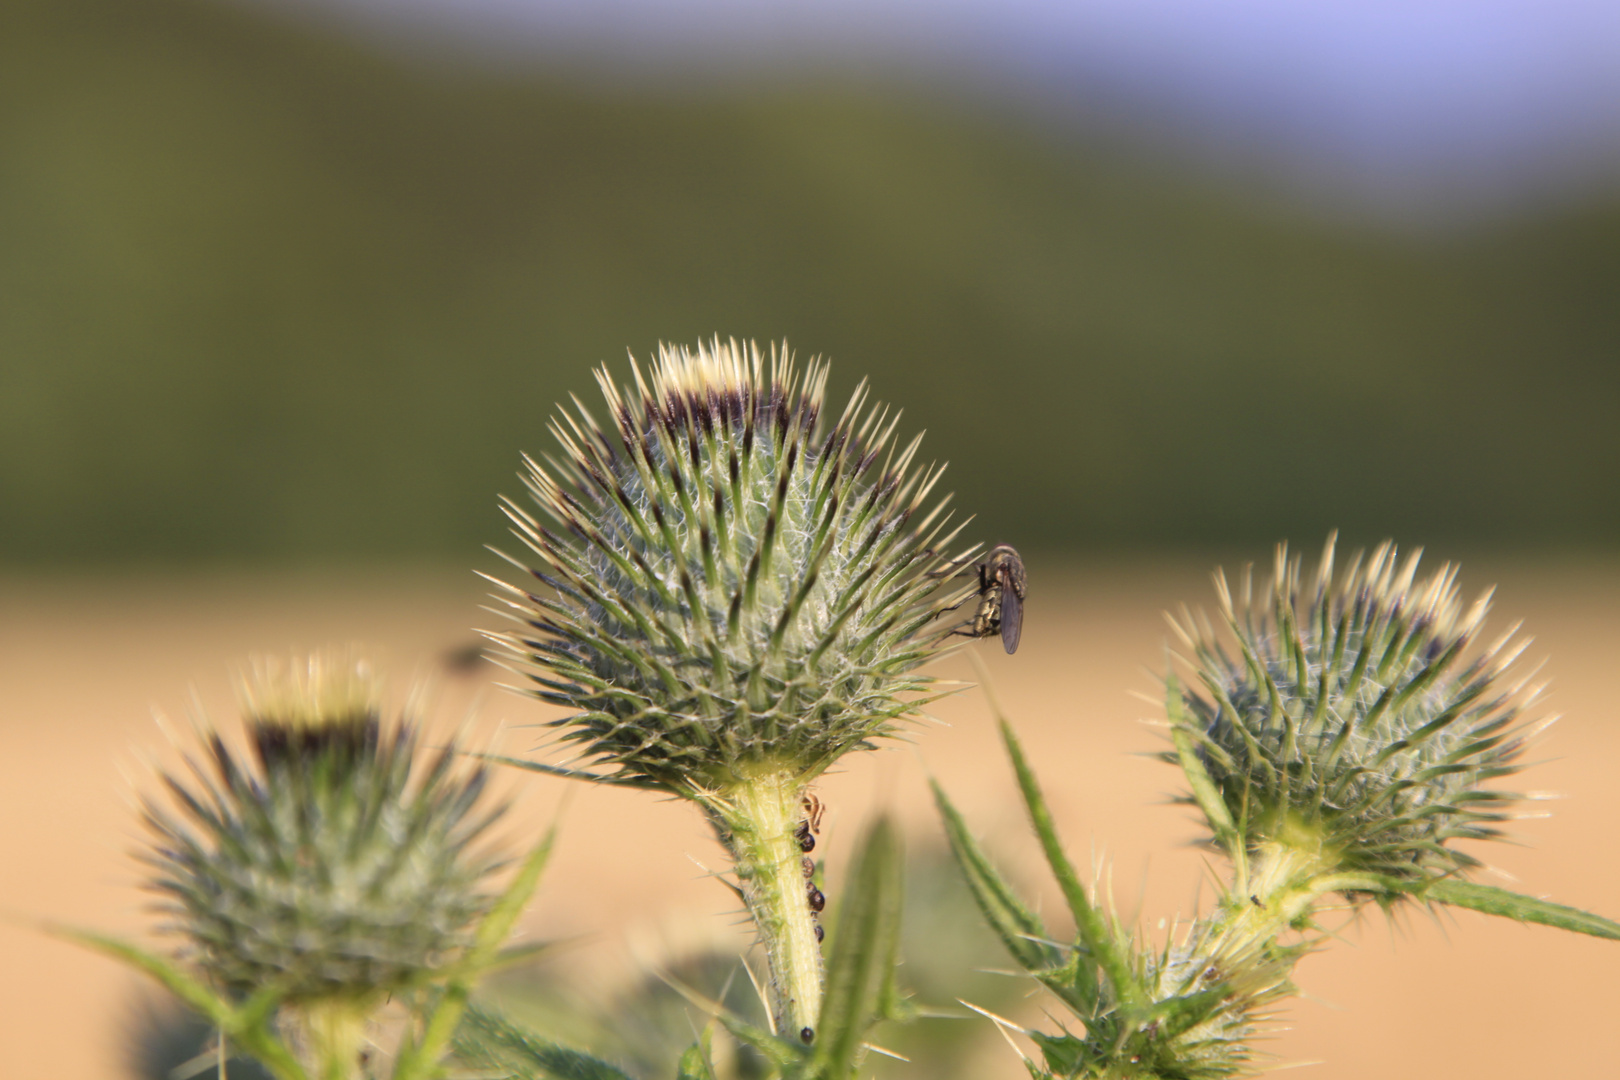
[(1355, 719), (735, 594), (333, 862), (738, 586)]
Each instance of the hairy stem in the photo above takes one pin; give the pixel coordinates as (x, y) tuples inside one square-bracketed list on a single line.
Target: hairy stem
[(1280, 887), (1278, 894), (757, 821), (335, 1034)]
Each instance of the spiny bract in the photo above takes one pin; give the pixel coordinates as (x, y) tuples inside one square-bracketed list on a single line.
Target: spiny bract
[(1355, 717), (731, 589), (330, 865)]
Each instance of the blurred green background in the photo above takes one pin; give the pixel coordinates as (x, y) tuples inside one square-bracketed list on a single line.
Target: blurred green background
[(270, 294)]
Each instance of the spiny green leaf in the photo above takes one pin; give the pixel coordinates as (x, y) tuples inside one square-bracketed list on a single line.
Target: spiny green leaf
[(247, 1026), (695, 1063), (861, 973), (1512, 905), (1094, 930), (1064, 1053), (1020, 930), (487, 1040), (216, 1009), (780, 1054)]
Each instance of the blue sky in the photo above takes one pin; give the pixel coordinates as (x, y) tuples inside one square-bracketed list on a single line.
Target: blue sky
[(1374, 93)]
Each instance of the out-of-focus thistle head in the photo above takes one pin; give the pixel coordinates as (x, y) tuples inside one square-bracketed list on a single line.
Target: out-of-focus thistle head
[(733, 585), (331, 861), (1222, 989), (1356, 715)]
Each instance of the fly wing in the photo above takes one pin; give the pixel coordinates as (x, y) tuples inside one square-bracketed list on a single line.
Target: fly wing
[(1012, 614)]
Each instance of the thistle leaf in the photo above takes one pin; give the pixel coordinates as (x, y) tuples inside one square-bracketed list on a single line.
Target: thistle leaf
[(695, 1063), (1179, 1014), (497, 925), (1064, 1054), (1512, 905), (248, 1026), (488, 1041), (1095, 933), (514, 955), (188, 989), (783, 1057), (1020, 929)]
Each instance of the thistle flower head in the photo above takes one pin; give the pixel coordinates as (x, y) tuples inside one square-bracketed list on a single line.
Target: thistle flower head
[(732, 584), (1356, 716), (334, 862)]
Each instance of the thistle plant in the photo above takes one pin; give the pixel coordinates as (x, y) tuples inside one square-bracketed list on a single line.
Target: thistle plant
[(730, 591), (733, 594), (1340, 738), (331, 868)]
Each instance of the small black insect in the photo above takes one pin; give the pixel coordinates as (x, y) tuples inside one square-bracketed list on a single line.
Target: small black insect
[(1002, 585), (820, 933), (818, 900), (807, 1035)]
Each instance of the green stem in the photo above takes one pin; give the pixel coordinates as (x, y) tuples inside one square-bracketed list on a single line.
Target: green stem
[(336, 1033), (757, 821), (1283, 885)]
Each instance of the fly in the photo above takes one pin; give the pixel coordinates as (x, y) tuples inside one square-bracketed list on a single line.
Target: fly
[(1002, 586)]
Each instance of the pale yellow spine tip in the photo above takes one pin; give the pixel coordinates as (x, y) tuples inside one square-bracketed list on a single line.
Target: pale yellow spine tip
[(311, 692)]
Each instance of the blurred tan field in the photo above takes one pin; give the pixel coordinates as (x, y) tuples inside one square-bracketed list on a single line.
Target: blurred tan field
[(84, 661)]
